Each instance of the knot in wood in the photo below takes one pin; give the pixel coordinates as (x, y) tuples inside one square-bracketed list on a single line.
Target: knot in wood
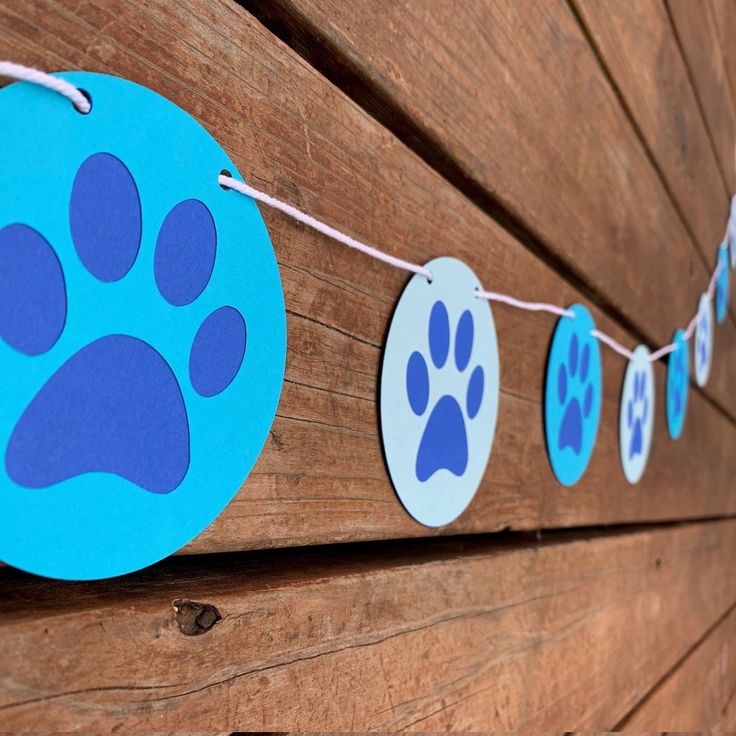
[(194, 618)]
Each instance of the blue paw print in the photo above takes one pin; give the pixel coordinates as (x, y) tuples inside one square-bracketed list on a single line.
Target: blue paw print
[(444, 443), (572, 381), (637, 413), (115, 406), (703, 340), (439, 392), (678, 378), (722, 283), (142, 331), (572, 395), (677, 385)]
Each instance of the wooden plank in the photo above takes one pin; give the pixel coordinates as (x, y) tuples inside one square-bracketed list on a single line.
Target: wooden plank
[(429, 637), (696, 29), (321, 478), (637, 44), (509, 101), (638, 47), (724, 14), (700, 695)]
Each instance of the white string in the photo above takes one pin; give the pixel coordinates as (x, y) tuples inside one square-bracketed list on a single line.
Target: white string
[(494, 296), (331, 232), (81, 103), (712, 283), (36, 76), (664, 350), (615, 345), (670, 347), (691, 327)]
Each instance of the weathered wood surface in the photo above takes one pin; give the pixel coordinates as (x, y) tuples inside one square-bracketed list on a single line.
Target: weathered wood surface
[(509, 101), (724, 15), (525, 165), (696, 28), (700, 695), (451, 636), (321, 477), (640, 51)]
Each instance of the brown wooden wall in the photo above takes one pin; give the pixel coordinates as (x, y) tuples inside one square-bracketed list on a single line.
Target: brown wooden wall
[(567, 151)]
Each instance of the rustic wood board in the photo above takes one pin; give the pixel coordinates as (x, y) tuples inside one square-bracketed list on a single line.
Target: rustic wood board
[(697, 32), (451, 636), (640, 51), (700, 695), (724, 15), (321, 477), (510, 103)]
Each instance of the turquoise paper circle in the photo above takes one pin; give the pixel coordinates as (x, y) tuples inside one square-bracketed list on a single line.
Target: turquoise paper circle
[(572, 395), (722, 283), (99, 524), (439, 392), (678, 384)]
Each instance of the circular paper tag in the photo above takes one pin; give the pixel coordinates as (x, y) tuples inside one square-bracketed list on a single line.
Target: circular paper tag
[(572, 397), (636, 415), (142, 330), (678, 384), (722, 284), (731, 231), (703, 347), (439, 392)]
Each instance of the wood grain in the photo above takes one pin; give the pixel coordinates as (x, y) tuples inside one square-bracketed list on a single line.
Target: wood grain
[(453, 636), (321, 477), (700, 695), (696, 29), (641, 52), (510, 103)]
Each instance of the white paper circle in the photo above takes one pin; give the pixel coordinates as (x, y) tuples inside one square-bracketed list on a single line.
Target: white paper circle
[(703, 347), (439, 392), (636, 415)]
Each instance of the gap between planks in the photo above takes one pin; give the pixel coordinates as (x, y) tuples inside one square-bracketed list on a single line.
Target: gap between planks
[(456, 635), (27, 592)]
